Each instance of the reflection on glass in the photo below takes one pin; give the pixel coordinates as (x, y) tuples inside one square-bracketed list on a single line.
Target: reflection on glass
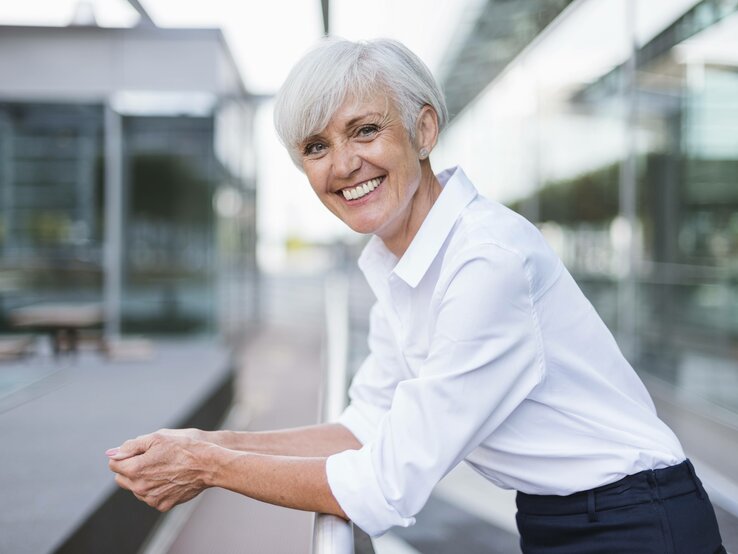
[(561, 162)]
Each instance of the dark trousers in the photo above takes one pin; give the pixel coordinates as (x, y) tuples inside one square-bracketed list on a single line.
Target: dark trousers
[(663, 511)]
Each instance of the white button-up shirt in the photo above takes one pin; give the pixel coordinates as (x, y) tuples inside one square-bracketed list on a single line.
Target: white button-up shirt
[(484, 349)]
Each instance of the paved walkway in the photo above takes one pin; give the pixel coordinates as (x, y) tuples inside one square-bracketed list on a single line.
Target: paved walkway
[(53, 469)]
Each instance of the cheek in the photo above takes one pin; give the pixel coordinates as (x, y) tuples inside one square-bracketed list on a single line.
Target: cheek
[(314, 187), (316, 180), (328, 199)]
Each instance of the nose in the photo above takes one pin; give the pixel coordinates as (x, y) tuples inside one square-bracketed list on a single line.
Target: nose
[(346, 160)]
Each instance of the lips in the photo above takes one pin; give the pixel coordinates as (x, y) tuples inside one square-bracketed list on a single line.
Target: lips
[(362, 189)]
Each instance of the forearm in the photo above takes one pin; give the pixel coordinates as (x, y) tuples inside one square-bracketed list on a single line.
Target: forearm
[(314, 440), (289, 481)]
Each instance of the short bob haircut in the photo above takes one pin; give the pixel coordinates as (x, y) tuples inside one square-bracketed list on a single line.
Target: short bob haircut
[(336, 69)]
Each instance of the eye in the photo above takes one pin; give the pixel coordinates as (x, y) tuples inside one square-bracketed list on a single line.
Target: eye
[(367, 131), (313, 149)]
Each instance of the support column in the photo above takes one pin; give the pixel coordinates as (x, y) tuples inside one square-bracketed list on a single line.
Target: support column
[(627, 291), (84, 213), (7, 182), (113, 259)]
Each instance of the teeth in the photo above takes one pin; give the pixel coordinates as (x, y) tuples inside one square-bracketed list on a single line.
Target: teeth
[(361, 190)]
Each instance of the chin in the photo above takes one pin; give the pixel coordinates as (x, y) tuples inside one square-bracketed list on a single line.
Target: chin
[(363, 227)]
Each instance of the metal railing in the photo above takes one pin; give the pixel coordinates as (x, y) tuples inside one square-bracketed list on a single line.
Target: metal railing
[(332, 534)]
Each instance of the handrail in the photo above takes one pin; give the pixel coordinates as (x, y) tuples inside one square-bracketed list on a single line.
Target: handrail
[(337, 344), (332, 534)]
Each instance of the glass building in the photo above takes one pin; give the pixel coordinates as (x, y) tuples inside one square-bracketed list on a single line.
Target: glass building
[(614, 126), (127, 177)]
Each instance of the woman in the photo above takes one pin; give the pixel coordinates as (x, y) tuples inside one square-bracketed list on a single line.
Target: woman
[(482, 349)]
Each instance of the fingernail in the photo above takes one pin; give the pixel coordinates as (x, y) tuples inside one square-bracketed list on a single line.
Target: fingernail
[(112, 451)]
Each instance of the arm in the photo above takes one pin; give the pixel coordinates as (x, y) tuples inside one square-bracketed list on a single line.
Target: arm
[(166, 470), (292, 482), (313, 440)]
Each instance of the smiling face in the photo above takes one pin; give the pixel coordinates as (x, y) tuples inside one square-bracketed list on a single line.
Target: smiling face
[(366, 170)]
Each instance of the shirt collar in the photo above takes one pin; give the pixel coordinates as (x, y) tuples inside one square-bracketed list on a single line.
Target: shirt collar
[(376, 261)]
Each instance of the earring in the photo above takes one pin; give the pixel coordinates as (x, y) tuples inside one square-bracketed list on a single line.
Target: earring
[(423, 154)]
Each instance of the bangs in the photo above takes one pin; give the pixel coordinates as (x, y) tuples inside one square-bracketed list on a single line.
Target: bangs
[(317, 109)]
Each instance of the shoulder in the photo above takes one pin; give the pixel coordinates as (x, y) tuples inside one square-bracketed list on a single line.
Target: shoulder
[(488, 230)]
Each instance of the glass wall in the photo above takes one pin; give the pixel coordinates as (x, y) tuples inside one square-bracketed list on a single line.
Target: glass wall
[(169, 178), (189, 211), (617, 132), (50, 204)]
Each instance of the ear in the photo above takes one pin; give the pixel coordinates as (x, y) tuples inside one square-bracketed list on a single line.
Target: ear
[(426, 128)]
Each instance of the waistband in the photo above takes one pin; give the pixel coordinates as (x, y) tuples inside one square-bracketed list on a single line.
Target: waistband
[(645, 486)]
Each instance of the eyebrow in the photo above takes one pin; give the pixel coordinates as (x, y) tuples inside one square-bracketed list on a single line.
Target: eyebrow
[(358, 118)]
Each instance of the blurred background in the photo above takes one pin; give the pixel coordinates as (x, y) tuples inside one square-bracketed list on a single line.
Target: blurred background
[(161, 258)]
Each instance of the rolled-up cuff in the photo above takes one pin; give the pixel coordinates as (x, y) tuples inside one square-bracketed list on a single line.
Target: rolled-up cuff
[(354, 485)]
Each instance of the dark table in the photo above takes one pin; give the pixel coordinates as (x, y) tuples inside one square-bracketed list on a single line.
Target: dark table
[(62, 322)]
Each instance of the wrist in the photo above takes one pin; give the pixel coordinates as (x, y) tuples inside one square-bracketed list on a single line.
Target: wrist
[(219, 438), (233, 440), (203, 436), (218, 463), (213, 437)]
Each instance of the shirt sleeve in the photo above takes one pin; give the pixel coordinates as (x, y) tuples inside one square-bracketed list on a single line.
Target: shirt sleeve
[(485, 358), (373, 386)]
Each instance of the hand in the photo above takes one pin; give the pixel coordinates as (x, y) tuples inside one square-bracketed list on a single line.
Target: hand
[(162, 469), (192, 433)]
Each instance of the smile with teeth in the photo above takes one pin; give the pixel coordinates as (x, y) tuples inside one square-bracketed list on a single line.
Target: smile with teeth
[(361, 190)]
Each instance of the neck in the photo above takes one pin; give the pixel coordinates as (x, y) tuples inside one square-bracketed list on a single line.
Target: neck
[(425, 196)]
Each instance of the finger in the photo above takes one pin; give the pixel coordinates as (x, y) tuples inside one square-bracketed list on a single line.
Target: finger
[(127, 466), (123, 482), (126, 483), (164, 506), (130, 448)]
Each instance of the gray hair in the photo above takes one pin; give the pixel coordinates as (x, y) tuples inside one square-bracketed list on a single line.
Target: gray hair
[(336, 68)]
